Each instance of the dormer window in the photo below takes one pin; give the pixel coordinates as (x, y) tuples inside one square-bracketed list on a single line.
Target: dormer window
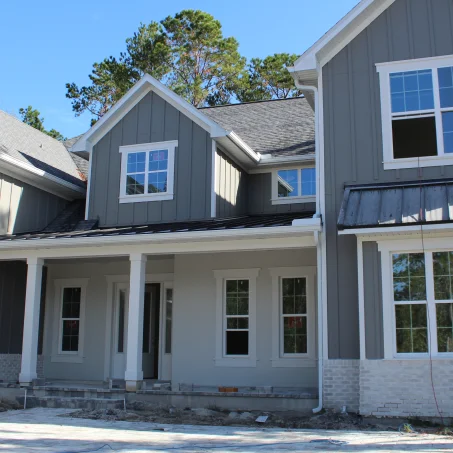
[(417, 112), (294, 185), (147, 172)]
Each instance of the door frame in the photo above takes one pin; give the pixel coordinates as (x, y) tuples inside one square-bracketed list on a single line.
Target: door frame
[(112, 283)]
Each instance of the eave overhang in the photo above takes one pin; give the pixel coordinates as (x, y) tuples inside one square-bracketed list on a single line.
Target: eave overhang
[(41, 179)]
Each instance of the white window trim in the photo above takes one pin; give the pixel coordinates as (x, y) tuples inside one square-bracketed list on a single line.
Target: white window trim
[(57, 354), (387, 249), (279, 360), (384, 70), (235, 274), (125, 150), (291, 200)]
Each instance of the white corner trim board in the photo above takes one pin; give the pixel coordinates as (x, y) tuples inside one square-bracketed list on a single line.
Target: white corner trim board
[(221, 358)]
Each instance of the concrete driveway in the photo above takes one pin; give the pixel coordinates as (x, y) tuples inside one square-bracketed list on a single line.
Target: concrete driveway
[(42, 430)]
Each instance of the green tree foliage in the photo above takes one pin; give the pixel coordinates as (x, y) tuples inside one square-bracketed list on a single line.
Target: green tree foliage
[(187, 52), (268, 79), (32, 117)]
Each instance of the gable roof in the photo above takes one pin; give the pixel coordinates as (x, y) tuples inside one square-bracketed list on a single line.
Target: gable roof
[(30, 150), (147, 83), (340, 35), (277, 128)]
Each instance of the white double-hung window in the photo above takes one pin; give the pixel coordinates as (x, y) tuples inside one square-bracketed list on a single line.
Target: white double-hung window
[(418, 303), (69, 317), (147, 172), (294, 185), (417, 112), (293, 324), (236, 323)]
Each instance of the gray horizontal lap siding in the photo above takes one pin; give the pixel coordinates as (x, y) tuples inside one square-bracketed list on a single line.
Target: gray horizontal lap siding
[(153, 120), (409, 29), (32, 208)]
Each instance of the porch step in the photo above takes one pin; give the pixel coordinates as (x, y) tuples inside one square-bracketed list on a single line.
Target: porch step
[(86, 393), (72, 402)]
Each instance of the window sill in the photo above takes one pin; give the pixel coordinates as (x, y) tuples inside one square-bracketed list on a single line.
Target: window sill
[(66, 358), (286, 362), (413, 162), (421, 357), (145, 198), (236, 362), (294, 200)]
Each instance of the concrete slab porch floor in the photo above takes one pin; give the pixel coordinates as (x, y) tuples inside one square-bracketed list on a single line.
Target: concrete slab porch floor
[(39, 430)]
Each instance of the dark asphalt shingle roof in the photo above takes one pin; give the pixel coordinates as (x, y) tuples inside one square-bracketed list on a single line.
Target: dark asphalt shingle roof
[(83, 228), (397, 204), (82, 164), (27, 144), (284, 127)]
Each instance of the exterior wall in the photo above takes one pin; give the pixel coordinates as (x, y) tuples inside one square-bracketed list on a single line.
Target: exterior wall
[(372, 284), (353, 139), (231, 187), (13, 279), (194, 328), (153, 120), (24, 208), (404, 388), (341, 385), (10, 367), (386, 388), (260, 195), (92, 367)]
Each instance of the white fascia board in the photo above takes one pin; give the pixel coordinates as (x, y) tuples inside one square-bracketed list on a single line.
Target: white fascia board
[(238, 151), (267, 164), (135, 95), (339, 36), (397, 230), (304, 227), (41, 179)]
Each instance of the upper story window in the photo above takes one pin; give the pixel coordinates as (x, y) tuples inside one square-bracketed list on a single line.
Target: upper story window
[(147, 172), (417, 112), (294, 185)]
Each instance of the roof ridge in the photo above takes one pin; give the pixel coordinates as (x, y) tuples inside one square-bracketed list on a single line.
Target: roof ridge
[(251, 102)]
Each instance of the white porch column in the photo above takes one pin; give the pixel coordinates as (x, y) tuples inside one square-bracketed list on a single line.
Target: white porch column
[(134, 349), (31, 321)]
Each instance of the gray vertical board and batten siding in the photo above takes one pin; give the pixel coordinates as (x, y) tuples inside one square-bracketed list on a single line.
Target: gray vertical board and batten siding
[(408, 29), (231, 187), (260, 197), (32, 208), (13, 280), (153, 120)]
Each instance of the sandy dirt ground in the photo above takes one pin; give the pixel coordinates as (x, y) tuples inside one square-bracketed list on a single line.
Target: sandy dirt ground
[(53, 431)]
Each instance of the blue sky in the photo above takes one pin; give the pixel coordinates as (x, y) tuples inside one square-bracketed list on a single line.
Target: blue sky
[(46, 44)]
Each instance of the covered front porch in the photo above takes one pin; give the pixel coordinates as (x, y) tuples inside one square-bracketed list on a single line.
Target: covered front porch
[(200, 316)]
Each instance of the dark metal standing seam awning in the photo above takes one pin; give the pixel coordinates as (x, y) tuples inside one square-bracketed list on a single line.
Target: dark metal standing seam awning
[(397, 204)]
